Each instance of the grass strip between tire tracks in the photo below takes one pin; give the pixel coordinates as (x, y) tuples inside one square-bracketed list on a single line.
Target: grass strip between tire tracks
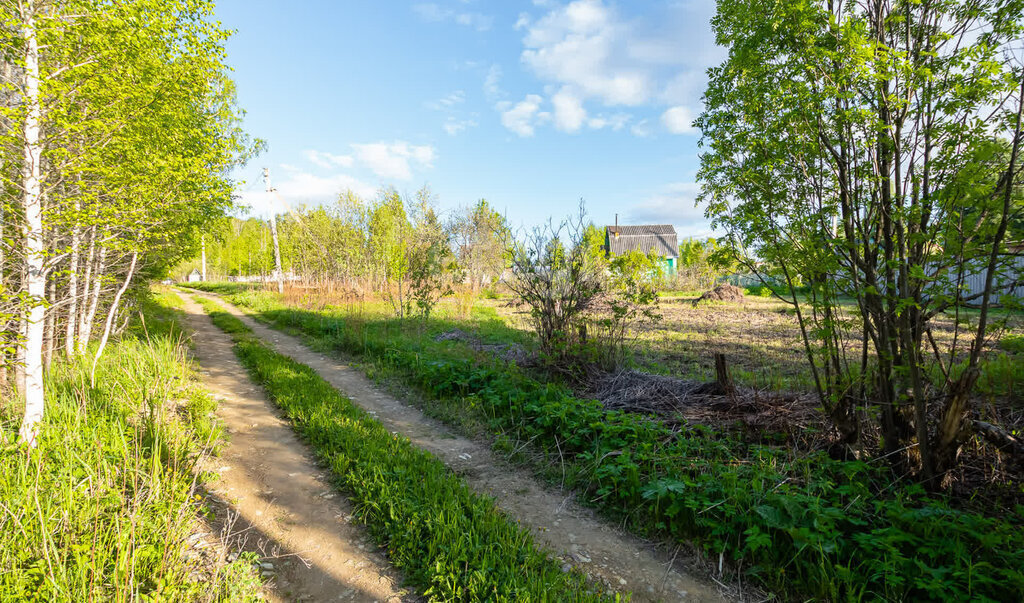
[(449, 541)]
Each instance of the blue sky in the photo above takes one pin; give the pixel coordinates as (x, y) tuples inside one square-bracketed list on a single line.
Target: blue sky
[(531, 105)]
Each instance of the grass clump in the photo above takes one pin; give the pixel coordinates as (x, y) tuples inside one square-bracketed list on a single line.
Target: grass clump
[(801, 524), (102, 507), (449, 541)]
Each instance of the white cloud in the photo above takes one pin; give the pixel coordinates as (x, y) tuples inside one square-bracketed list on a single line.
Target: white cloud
[(678, 120), (602, 56), (675, 203), (392, 160), (454, 126), (616, 121), (578, 44), (522, 117), (569, 111), (434, 13), (328, 160), (299, 187), (448, 101), (492, 87), (641, 129)]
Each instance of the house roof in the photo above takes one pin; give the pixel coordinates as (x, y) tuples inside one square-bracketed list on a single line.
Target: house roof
[(196, 271), (643, 237)]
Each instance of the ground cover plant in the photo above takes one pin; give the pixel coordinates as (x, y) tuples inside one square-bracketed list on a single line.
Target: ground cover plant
[(449, 541), (800, 523), (102, 508)]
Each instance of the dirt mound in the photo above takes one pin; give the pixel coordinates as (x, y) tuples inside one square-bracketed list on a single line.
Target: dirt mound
[(726, 292)]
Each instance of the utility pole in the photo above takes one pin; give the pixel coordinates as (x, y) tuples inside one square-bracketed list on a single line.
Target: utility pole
[(203, 239), (273, 233)]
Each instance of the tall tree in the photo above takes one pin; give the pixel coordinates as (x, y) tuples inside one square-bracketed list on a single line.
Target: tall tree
[(846, 150), (126, 128)]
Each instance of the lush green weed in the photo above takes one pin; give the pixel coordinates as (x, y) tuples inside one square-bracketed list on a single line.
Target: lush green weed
[(102, 508), (801, 524), (448, 540)]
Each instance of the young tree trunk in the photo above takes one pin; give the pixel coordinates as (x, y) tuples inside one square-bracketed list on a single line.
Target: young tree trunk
[(85, 332), (204, 257), (82, 338), (110, 317), (34, 257), (952, 430), (50, 332), (72, 313)]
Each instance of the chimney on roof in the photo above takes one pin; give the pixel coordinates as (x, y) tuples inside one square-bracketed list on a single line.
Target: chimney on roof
[(616, 226)]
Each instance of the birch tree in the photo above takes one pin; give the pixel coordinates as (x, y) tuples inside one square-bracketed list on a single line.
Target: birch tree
[(126, 129)]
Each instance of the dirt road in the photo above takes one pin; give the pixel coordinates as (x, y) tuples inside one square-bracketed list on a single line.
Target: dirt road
[(287, 510), (607, 554)]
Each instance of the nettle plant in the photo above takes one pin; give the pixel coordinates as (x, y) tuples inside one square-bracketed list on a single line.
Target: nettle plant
[(871, 151)]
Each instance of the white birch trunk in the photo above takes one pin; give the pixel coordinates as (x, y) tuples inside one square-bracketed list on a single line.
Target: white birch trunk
[(83, 339), (110, 317), (33, 204), (97, 287), (69, 330), (204, 258)]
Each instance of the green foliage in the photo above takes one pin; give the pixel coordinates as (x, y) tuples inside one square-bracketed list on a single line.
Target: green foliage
[(447, 539), (854, 148), (804, 525), (558, 278), (702, 263), (629, 305), (477, 235), (103, 507)]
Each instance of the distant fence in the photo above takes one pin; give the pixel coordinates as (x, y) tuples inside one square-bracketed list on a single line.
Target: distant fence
[(1009, 280)]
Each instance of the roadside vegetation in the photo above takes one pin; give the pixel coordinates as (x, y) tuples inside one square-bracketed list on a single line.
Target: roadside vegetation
[(798, 522), (449, 541), (102, 507)]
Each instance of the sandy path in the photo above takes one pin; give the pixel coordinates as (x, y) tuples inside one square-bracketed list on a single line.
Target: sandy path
[(286, 507), (556, 521)]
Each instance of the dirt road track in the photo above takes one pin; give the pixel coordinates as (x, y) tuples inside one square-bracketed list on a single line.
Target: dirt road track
[(607, 554), (286, 507)]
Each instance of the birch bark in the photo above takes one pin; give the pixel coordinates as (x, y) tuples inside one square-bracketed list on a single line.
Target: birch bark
[(34, 258), (110, 317)]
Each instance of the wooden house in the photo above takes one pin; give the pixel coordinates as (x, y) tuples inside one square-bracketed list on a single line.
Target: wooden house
[(659, 238)]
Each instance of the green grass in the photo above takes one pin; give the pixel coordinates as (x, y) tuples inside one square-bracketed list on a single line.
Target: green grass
[(102, 508), (450, 542), (799, 524)]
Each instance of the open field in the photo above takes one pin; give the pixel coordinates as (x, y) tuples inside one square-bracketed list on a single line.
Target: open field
[(792, 520), (761, 339)]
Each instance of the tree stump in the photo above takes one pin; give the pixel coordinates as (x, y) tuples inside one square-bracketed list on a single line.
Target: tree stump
[(722, 374)]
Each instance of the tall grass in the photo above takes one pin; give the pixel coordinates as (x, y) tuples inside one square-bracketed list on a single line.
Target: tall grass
[(102, 508)]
